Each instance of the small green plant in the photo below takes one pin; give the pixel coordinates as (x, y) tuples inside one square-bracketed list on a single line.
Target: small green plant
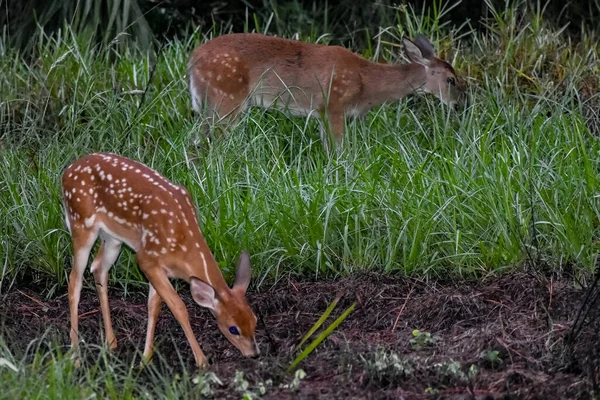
[(453, 371), (385, 367), (206, 383), (239, 382), (242, 385), (262, 387), (432, 391), (421, 339), (491, 357), (295, 382)]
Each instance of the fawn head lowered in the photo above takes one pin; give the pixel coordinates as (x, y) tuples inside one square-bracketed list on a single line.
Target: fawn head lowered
[(441, 80), (230, 308), (231, 72), (120, 201)]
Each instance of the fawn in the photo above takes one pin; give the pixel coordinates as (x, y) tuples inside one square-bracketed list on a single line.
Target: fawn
[(231, 72), (124, 201)]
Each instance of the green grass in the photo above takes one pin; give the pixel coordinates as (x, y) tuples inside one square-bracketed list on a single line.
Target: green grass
[(45, 371), (416, 190)]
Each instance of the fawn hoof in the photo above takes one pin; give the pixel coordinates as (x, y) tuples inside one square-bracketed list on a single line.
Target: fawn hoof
[(112, 345), (203, 363), (75, 357), (145, 362)]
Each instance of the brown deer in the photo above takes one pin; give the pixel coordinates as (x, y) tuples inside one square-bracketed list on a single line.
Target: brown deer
[(124, 201), (231, 72)]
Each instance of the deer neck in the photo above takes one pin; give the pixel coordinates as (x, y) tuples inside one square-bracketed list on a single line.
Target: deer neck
[(385, 82), (201, 264)]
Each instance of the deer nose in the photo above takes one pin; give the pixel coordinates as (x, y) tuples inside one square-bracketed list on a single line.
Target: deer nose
[(256, 352)]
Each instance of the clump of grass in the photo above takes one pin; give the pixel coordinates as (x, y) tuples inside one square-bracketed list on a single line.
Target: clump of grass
[(45, 370), (416, 189)]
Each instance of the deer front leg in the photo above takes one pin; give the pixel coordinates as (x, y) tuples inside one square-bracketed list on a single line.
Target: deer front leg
[(82, 245), (106, 257), (159, 280), (154, 302), (336, 125), (332, 127)]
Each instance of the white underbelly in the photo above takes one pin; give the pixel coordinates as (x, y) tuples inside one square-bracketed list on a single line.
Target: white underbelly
[(105, 231), (293, 100)]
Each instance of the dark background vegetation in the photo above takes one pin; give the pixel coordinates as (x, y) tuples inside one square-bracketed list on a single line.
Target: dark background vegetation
[(148, 21)]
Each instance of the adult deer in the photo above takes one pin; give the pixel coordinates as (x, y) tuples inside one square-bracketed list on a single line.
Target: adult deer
[(231, 72), (124, 201)]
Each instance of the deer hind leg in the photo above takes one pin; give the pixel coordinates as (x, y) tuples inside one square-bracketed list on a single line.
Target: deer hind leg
[(159, 280), (106, 257), (154, 302), (83, 241), (226, 110)]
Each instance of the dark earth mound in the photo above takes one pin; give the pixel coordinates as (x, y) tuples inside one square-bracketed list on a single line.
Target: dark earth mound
[(499, 338)]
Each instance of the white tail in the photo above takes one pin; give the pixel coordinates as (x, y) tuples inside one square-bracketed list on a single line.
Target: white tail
[(123, 201), (233, 71)]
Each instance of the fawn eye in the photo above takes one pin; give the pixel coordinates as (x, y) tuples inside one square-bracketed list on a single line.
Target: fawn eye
[(451, 81), (234, 330)]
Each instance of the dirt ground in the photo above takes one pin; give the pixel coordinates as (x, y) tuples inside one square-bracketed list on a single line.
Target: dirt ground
[(525, 318)]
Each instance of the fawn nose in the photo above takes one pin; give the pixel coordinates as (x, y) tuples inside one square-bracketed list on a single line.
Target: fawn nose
[(256, 351)]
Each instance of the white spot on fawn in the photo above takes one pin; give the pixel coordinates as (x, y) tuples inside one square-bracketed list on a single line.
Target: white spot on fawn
[(89, 221)]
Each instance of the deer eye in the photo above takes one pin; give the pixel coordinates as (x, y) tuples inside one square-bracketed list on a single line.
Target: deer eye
[(234, 330), (451, 81)]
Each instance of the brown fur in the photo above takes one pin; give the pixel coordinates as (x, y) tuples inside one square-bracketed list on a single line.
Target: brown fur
[(232, 71), (123, 201)]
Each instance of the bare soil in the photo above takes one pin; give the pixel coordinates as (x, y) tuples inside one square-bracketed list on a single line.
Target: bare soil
[(525, 318)]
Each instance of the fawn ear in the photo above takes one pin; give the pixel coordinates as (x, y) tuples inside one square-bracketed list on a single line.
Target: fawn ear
[(243, 273), (203, 293), (420, 50)]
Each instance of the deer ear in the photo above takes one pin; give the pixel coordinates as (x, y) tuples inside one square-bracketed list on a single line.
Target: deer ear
[(243, 274), (203, 293), (420, 51)]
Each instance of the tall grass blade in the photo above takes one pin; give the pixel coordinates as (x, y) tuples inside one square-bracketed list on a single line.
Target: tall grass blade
[(321, 337), (320, 321)]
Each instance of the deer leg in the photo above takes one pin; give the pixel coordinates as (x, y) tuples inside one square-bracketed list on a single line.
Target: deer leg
[(106, 257), (154, 302), (332, 127), (226, 111), (82, 245), (159, 280), (336, 125)]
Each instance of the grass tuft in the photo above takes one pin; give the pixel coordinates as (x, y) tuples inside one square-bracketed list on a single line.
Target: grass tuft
[(416, 190)]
